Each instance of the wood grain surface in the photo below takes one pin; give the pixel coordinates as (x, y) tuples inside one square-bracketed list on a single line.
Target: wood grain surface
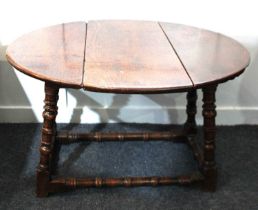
[(54, 53), (128, 56), (208, 57), (131, 56)]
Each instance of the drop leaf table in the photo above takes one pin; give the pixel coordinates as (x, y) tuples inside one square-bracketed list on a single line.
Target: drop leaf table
[(139, 57)]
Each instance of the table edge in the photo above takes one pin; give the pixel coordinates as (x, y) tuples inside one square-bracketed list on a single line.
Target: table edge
[(64, 84)]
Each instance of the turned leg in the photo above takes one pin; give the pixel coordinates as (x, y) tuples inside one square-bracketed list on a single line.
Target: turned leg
[(209, 128), (190, 124), (47, 139)]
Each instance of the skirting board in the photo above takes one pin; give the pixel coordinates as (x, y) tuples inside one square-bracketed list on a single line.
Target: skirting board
[(174, 115)]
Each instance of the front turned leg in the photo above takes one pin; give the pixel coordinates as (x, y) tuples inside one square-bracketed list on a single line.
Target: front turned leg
[(47, 139), (190, 124), (209, 130)]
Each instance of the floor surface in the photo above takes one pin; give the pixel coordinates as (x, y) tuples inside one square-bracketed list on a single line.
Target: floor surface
[(236, 154)]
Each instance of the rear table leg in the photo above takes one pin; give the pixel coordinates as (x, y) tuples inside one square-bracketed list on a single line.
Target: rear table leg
[(47, 139), (190, 124), (190, 128)]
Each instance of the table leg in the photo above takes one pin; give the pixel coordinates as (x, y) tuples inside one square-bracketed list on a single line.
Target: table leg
[(47, 139), (209, 128), (190, 124)]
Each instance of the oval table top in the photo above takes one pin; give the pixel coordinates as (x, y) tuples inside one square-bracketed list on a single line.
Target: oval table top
[(128, 56)]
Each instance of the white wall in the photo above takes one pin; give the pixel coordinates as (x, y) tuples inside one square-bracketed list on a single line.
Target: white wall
[(21, 97)]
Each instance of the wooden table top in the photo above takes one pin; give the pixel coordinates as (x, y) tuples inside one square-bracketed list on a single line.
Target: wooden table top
[(128, 56)]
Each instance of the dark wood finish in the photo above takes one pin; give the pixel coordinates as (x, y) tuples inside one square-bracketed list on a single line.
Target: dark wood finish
[(191, 110), (190, 127), (143, 61), (126, 181), (66, 137), (209, 131), (47, 139), (54, 54), (207, 56), (129, 57), (197, 152), (137, 56)]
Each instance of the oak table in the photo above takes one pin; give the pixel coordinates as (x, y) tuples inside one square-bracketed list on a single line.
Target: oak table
[(128, 57)]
